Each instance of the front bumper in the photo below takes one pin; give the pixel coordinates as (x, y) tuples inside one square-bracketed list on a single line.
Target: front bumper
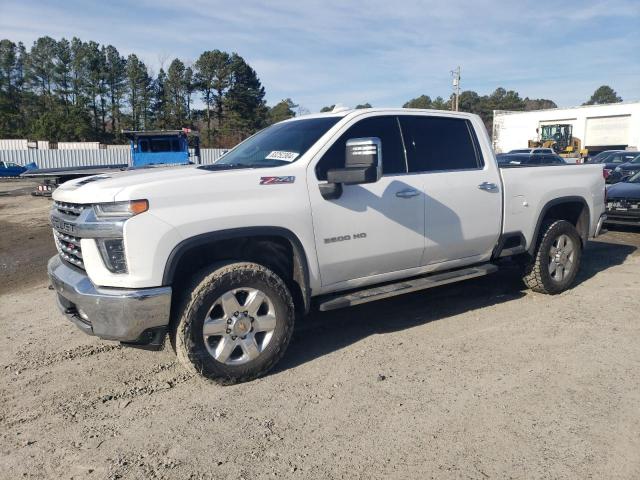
[(617, 219), (137, 317)]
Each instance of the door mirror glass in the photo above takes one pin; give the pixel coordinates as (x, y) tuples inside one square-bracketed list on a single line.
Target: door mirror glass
[(363, 162)]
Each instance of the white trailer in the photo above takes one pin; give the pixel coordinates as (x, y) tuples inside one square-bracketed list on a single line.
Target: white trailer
[(599, 127)]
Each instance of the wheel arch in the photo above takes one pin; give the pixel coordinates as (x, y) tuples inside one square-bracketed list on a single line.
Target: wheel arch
[(245, 240), (573, 209)]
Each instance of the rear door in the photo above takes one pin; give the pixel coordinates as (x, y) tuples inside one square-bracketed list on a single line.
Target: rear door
[(374, 228), (463, 201)]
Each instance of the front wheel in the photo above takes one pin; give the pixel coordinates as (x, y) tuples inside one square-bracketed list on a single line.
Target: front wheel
[(237, 323), (557, 258)]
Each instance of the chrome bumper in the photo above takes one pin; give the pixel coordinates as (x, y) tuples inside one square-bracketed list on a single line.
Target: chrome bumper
[(111, 313), (603, 218)]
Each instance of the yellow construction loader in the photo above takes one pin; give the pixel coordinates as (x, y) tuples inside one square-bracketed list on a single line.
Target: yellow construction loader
[(559, 137)]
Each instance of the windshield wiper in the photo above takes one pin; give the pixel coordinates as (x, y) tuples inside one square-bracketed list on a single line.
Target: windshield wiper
[(230, 166), (223, 166)]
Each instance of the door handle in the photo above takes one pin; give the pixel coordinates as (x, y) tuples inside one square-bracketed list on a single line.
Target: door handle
[(408, 193), (487, 186)]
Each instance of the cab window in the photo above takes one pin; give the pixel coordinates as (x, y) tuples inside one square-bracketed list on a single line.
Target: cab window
[(440, 143), (385, 128)]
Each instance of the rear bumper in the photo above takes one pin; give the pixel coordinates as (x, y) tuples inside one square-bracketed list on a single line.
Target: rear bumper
[(601, 221), (136, 316)]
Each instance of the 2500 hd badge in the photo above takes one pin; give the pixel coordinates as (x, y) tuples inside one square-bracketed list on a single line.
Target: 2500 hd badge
[(344, 238)]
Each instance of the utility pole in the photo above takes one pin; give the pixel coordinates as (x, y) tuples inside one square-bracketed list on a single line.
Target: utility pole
[(456, 88)]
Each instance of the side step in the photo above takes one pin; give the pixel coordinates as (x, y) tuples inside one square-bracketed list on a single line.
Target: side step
[(405, 286)]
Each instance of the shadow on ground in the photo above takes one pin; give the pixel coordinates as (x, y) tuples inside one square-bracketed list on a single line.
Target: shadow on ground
[(325, 332)]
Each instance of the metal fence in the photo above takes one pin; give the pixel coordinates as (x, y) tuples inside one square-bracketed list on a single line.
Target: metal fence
[(87, 158)]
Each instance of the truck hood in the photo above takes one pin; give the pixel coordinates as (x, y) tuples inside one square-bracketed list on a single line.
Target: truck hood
[(105, 187), (173, 185)]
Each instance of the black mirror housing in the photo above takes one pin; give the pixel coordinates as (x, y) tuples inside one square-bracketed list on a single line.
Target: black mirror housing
[(353, 175), (363, 164)]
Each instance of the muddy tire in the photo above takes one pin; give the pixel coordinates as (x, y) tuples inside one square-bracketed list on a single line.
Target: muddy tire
[(236, 324), (557, 258)]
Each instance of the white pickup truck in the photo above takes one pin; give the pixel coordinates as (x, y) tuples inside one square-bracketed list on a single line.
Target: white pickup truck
[(327, 210)]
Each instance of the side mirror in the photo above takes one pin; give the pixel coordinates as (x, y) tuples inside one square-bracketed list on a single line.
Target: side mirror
[(363, 164)]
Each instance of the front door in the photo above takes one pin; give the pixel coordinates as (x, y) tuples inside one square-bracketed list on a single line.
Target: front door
[(373, 228)]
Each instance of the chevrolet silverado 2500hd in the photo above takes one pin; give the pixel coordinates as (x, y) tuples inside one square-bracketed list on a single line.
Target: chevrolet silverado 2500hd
[(330, 210)]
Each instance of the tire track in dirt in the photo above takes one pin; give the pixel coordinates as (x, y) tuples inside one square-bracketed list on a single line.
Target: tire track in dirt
[(30, 360)]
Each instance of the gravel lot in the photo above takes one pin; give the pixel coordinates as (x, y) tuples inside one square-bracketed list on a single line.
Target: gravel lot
[(477, 380)]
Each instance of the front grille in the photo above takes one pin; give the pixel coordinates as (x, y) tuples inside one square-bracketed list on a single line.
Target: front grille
[(71, 209), (68, 245), (624, 203), (69, 248)]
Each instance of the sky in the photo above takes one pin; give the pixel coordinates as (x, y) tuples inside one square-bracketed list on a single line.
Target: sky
[(383, 52)]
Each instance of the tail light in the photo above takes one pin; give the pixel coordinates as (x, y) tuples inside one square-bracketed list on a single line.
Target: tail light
[(606, 172)]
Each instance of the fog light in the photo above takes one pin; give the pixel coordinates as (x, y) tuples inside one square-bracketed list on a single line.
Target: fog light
[(112, 251)]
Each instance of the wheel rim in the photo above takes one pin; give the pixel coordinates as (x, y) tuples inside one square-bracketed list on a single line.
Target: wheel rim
[(239, 326), (561, 257)]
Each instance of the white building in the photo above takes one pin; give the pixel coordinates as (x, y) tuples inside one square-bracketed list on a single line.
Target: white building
[(599, 127)]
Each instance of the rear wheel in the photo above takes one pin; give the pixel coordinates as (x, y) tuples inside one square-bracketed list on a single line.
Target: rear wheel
[(557, 258), (237, 323)]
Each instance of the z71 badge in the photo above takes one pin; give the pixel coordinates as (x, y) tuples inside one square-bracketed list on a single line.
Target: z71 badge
[(276, 180)]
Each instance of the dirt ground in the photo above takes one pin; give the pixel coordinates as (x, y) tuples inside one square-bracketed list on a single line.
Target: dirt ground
[(477, 380)]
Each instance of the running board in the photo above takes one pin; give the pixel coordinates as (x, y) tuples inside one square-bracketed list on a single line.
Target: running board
[(405, 286)]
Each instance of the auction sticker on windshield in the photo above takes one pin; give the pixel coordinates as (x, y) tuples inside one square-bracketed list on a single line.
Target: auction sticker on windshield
[(282, 155)]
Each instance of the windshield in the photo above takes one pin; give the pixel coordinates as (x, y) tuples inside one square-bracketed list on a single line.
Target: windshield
[(636, 160), (507, 158), (601, 156), (521, 151), (620, 157), (276, 145), (634, 178)]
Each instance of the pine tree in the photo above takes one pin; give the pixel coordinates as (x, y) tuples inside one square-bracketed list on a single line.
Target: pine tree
[(175, 92), (213, 76), (116, 77), (245, 99)]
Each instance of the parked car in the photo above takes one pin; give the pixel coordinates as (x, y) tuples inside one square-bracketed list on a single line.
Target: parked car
[(330, 210), (625, 170), (526, 159), (533, 150), (623, 202), (613, 159), (600, 155), (8, 169)]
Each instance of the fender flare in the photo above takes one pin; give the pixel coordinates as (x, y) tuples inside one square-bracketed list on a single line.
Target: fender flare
[(300, 261), (553, 203)]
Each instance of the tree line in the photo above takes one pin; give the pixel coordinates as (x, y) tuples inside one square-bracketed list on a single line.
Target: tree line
[(63, 90), (500, 99)]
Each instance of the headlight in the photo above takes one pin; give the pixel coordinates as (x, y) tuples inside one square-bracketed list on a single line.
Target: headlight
[(618, 169), (112, 251), (120, 209)]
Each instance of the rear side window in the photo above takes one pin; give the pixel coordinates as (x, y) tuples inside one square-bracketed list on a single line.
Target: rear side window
[(385, 128), (440, 143)]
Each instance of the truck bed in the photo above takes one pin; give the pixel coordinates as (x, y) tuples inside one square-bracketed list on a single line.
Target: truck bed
[(528, 190)]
